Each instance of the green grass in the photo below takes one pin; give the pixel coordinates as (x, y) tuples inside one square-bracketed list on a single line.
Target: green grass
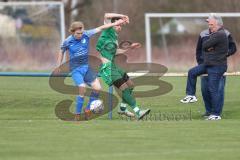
[(29, 129)]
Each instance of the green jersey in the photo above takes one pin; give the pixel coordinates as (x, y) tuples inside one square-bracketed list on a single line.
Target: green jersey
[(107, 44)]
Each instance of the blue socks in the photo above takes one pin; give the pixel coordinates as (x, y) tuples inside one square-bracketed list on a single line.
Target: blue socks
[(80, 101), (93, 96), (79, 104)]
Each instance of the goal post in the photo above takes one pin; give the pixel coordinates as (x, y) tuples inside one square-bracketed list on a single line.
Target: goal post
[(36, 29), (41, 3)]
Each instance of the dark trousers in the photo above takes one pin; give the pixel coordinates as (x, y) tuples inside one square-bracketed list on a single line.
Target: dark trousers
[(215, 74), (206, 94)]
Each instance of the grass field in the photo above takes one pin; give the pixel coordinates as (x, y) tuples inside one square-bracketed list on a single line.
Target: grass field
[(29, 129)]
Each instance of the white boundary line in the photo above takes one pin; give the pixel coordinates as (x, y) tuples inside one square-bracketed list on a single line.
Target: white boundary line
[(131, 74)]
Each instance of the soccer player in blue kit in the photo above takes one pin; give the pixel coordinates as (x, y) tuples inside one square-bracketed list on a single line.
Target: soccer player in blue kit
[(77, 46)]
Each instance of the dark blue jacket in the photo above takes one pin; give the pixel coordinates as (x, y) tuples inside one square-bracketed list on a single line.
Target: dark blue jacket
[(204, 36)]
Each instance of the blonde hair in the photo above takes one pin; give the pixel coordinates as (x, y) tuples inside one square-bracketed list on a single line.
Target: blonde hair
[(75, 25)]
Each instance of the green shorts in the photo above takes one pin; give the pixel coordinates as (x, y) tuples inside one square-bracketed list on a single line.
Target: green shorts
[(110, 72)]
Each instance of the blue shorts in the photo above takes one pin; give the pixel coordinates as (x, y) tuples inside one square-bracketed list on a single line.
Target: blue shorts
[(83, 74)]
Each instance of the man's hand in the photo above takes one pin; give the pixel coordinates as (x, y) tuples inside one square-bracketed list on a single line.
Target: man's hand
[(135, 45), (121, 22), (210, 49), (129, 45), (126, 19), (57, 71)]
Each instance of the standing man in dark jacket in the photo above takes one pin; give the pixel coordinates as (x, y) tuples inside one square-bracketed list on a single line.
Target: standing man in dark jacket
[(204, 35), (215, 51)]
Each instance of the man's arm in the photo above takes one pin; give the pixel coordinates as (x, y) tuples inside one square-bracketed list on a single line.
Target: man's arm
[(109, 16), (60, 55), (105, 26), (232, 46), (112, 15), (59, 58), (212, 41), (122, 21), (199, 50)]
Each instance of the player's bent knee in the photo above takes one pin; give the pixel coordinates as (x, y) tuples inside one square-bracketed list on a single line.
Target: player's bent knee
[(121, 83), (97, 89), (123, 86), (191, 73), (96, 85), (82, 90), (130, 83)]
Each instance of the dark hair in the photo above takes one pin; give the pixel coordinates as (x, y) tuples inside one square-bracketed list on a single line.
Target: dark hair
[(115, 19)]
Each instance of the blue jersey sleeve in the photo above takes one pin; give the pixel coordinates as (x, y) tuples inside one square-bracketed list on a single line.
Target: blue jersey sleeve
[(91, 32), (64, 46)]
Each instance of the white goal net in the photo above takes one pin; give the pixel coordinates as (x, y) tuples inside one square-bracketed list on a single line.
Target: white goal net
[(171, 38), (30, 35)]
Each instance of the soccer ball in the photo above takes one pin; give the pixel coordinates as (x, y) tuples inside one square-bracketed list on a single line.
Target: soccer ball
[(96, 106)]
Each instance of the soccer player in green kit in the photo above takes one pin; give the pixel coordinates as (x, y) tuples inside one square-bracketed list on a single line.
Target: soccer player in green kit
[(107, 46)]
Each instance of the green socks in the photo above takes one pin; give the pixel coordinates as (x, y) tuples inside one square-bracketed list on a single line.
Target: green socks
[(129, 99)]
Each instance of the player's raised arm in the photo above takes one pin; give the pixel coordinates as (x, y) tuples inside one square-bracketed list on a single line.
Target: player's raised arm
[(108, 25), (109, 16), (112, 15)]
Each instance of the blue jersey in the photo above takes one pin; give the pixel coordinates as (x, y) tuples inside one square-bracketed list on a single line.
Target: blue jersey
[(78, 48)]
